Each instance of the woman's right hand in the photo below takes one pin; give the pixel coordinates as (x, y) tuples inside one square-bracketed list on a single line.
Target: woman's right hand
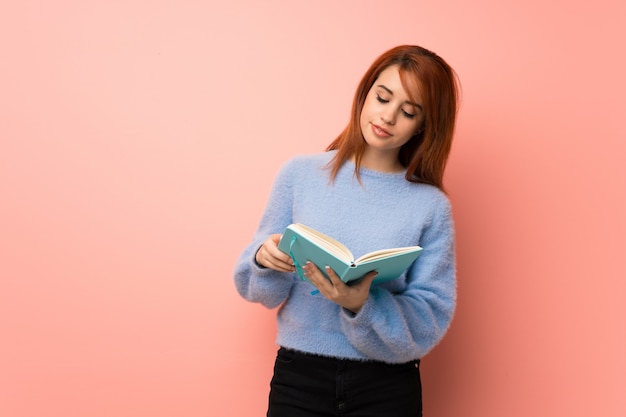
[(269, 256)]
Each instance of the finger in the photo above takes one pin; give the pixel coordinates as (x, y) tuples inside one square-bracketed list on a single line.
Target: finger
[(283, 260), (279, 255), (282, 264), (285, 265), (275, 258), (367, 279), (334, 278), (370, 276), (313, 273)]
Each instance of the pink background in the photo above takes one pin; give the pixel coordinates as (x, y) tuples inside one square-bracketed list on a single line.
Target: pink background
[(138, 142)]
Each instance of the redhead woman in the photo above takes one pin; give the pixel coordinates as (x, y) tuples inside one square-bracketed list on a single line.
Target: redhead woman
[(355, 350)]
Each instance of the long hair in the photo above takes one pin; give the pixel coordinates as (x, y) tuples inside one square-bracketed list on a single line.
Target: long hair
[(425, 155)]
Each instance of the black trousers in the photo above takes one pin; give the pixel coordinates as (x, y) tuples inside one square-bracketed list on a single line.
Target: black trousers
[(314, 386)]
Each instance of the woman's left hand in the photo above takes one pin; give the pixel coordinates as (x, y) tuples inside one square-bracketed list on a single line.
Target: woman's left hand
[(350, 297)]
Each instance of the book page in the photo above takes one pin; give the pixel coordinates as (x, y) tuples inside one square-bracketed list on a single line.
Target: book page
[(384, 253), (328, 243)]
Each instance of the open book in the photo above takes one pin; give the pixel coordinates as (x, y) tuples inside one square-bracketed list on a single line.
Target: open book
[(304, 244)]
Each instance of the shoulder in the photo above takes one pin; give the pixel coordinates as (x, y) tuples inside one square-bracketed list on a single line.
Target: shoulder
[(305, 163), (320, 158), (431, 201), (434, 195), (424, 193), (440, 216)]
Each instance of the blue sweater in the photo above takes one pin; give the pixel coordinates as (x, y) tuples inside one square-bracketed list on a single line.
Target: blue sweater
[(403, 319)]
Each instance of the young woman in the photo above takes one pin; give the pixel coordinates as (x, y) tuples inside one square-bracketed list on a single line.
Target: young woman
[(354, 350)]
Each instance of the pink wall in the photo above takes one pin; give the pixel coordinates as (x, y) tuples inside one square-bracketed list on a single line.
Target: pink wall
[(138, 141)]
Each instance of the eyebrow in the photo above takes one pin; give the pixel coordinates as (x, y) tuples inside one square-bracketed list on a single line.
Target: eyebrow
[(408, 102)]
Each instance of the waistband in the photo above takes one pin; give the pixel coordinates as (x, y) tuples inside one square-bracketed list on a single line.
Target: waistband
[(284, 352)]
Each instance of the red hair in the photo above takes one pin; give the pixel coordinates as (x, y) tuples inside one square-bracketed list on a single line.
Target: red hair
[(425, 154)]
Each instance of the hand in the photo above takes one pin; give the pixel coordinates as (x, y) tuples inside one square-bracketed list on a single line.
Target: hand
[(350, 297), (271, 257)]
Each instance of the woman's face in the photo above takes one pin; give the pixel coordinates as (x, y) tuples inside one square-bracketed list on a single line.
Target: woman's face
[(389, 118)]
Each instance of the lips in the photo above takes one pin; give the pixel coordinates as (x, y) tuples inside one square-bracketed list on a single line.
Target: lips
[(379, 131)]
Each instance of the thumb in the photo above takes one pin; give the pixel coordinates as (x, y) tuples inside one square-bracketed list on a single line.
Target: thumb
[(371, 275), (368, 278)]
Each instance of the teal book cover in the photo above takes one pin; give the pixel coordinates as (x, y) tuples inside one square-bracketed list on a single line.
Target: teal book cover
[(304, 244)]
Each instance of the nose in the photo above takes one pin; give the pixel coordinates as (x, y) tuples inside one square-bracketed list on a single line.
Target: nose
[(388, 117)]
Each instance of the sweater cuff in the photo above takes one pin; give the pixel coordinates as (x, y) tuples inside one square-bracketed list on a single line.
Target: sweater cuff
[(363, 313), (254, 259)]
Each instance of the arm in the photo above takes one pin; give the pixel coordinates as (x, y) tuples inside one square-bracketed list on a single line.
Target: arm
[(407, 325), (262, 271)]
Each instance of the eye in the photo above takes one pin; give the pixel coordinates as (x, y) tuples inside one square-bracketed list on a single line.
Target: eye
[(382, 100), (407, 114)]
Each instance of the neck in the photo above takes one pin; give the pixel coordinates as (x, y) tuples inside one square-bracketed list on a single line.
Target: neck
[(381, 161)]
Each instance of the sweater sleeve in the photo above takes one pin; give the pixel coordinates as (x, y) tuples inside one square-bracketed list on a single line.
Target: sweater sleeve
[(408, 324), (265, 285)]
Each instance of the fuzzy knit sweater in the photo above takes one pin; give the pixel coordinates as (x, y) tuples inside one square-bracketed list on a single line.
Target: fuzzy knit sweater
[(402, 319)]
